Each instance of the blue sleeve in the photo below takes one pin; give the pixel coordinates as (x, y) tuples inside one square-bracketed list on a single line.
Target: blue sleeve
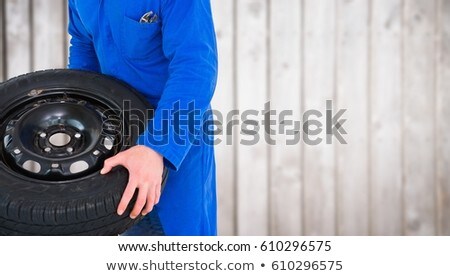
[(81, 52), (189, 43)]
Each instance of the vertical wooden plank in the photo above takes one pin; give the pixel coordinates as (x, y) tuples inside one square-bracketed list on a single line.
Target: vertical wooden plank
[(2, 41), (319, 79), (48, 34), (223, 102), (18, 37), (252, 169), (352, 92), (285, 91), (386, 208), (418, 117), (67, 35), (442, 116)]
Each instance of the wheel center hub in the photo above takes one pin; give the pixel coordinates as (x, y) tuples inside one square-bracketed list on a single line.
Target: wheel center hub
[(60, 139)]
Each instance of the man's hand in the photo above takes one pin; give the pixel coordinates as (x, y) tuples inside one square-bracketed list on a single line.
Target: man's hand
[(145, 167)]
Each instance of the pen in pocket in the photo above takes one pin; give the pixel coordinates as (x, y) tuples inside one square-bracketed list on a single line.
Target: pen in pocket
[(149, 17)]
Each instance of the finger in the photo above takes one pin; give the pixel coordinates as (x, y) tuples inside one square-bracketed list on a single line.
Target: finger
[(126, 197), (140, 202), (111, 163), (150, 202), (158, 194)]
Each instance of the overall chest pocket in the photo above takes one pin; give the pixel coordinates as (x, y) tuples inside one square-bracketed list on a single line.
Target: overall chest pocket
[(139, 40)]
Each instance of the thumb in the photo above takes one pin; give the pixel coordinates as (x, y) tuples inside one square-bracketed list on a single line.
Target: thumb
[(111, 163)]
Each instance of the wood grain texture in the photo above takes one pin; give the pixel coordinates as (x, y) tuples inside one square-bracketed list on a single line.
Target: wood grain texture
[(352, 87), (386, 208), (252, 76), (67, 35), (18, 37), (224, 102), (319, 86), (2, 41), (49, 33), (442, 117), (419, 117), (285, 94)]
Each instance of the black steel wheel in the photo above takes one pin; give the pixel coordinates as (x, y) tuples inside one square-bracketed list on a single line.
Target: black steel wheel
[(56, 129)]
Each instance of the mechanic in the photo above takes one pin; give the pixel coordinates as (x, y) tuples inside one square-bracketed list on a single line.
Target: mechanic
[(166, 49)]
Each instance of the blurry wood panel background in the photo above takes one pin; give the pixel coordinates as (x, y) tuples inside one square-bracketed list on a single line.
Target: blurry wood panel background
[(387, 62)]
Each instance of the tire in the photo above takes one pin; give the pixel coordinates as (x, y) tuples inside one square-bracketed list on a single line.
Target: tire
[(50, 197)]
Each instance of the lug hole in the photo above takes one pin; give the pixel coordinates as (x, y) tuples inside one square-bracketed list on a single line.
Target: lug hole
[(32, 166)]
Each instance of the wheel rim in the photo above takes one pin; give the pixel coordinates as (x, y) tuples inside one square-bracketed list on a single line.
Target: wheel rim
[(62, 135)]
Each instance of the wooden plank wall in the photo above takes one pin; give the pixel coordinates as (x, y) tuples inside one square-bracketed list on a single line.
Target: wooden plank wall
[(385, 125), (285, 83), (442, 115), (319, 85), (2, 41), (352, 81), (33, 36), (387, 62)]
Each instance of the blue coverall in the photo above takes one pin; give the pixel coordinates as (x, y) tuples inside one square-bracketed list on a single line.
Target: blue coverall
[(172, 60)]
